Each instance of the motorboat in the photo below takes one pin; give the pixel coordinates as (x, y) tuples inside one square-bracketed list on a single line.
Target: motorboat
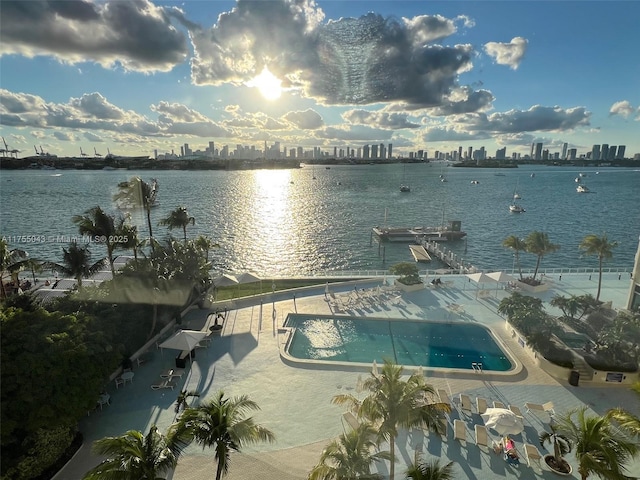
[(582, 189), (405, 188), (452, 231), (514, 208), (516, 196), (474, 182)]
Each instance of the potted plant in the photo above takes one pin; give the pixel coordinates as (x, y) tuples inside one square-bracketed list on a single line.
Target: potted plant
[(408, 279), (216, 328), (561, 446)]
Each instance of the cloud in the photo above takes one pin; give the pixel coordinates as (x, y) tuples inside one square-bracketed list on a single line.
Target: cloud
[(350, 61), (356, 133), (384, 120), (96, 106), (177, 112), (465, 100), (449, 133), (135, 34), (510, 54), (624, 109), (305, 120), (537, 118)]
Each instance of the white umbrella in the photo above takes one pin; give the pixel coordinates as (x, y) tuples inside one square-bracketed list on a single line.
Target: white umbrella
[(248, 277), (225, 280), (503, 421), (479, 278), (184, 340), (501, 277)]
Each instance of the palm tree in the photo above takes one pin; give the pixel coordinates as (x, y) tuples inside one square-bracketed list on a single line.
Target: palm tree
[(561, 446), (600, 448), (205, 244), (517, 245), (221, 423), (183, 397), (600, 246), (627, 421), (99, 226), (128, 237), (393, 402), (179, 218), (11, 260), (432, 470), (349, 457), (136, 193), (539, 244), (134, 456), (76, 263)]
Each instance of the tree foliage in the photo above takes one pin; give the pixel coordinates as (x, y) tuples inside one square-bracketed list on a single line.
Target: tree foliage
[(538, 243), (602, 248)]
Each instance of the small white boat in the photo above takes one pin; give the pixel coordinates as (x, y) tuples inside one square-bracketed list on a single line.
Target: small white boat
[(516, 196), (514, 208), (533, 175), (405, 188), (474, 182), (582, 189)]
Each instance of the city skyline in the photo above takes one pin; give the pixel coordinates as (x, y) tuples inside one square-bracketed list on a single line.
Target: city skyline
[(137, 77)]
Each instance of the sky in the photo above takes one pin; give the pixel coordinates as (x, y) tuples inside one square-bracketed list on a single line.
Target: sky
[(134, 76)]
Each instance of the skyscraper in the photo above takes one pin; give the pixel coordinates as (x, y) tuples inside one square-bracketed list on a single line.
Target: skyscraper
[(621, 150), (604, 152), (538, 152), (564, 151), (595, 152), (390, 151)]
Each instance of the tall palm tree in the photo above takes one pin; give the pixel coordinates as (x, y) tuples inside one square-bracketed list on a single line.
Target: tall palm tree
[(205, 244), (134, 456), (221, 423), (100, 226), (517, 245), (127, 235), (393, 403), (179, 218), (136, 193), (76, 263), (602, 248), (627, 421), (600, 448), (349, 457), (539, 244), (432, 470)]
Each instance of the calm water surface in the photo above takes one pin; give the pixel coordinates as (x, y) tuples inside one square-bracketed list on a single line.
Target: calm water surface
[(284, 222)]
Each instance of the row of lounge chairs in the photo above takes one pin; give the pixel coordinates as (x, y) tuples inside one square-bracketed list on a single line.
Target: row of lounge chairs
[(167, 379), (532, 454), (363, 298)]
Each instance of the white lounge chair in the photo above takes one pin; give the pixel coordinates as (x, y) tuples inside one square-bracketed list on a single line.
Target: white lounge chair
[(532, 453), (544, 411), (515, 410), (465, 404), (444, 397), (482, 437), (459, 430), (481, 405), (164, 384)]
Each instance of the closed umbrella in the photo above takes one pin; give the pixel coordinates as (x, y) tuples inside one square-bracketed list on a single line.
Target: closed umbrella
[(503, 421)]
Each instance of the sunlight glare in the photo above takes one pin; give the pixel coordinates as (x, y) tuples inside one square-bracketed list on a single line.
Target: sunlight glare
[(267, 83)]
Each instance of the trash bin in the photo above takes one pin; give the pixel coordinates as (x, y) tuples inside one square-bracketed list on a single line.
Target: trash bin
[(574, 378)]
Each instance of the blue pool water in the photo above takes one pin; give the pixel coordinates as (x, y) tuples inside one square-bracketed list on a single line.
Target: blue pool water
[(418, 343)]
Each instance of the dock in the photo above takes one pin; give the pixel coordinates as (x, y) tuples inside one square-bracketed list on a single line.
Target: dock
[(447, 257), (420, 253)]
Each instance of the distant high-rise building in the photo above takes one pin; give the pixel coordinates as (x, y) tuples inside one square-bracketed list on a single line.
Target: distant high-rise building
[(390, 151), (365, 152), (604, 152), (533, 149), (595, 152), (573, 153), (612, 152), (621, 150), (501, 153), (469, 153), (374, 151), (538, 152), (545, 154), (460, 153), (564, 151), (383, 151)]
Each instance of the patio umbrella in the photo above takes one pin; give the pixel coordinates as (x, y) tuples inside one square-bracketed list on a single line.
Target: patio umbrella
[(503, 421), (248, 277), (225, 280), (479, 278), (184, 340), (501, 277)]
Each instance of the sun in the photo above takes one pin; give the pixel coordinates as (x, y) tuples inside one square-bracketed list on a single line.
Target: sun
[(268, 84)]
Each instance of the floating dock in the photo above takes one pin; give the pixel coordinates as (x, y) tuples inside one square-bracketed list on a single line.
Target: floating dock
[(447, 257), (420, 253)]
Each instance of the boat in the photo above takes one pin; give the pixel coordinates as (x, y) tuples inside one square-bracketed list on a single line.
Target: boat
[(582, 189), (514, 207), (533, 175), (444, 233), (403, 186), (474, 182)]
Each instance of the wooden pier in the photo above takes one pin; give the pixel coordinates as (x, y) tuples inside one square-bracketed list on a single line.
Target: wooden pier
[(419, 253), (447, 257)]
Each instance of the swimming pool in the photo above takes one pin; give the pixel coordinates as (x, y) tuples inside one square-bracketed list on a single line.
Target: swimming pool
[(327, 339)]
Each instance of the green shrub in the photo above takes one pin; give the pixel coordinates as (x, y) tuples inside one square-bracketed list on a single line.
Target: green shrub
[(407, 272)]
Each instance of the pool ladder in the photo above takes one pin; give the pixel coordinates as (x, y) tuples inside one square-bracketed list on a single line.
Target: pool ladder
[(477, 366)]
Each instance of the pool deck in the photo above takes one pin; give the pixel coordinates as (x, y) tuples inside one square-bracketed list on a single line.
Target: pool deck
[(295, 401)]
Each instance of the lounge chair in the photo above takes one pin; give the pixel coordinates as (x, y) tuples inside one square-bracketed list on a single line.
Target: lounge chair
[(515, 410), (482, 438), (465, 403), (351, 420), (498, 405), (532, 453), (481, 405), (459, 430), (545, 410), (164, 384), (444, 397)]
